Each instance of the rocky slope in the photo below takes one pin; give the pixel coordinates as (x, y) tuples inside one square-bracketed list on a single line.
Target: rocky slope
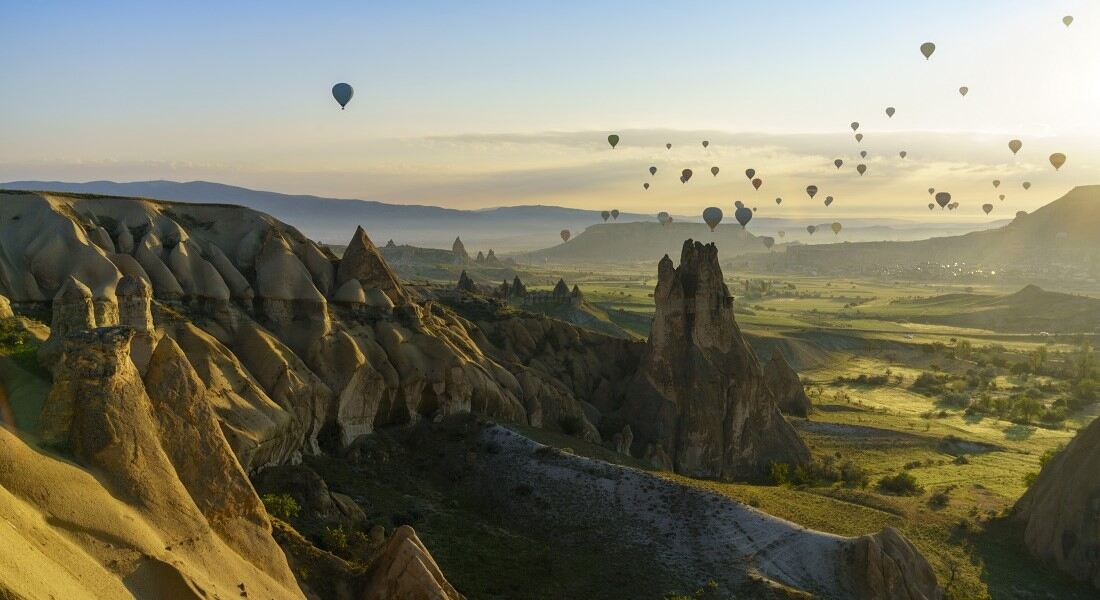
[(699, 404), (783, 383), (1060, 512)]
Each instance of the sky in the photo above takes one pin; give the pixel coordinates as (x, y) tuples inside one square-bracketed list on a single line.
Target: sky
[(477, 104)]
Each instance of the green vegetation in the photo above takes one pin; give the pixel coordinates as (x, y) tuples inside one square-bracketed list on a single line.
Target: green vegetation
[(281, 506)]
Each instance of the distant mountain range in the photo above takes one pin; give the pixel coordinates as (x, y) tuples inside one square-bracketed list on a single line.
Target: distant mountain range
[(509, 229)]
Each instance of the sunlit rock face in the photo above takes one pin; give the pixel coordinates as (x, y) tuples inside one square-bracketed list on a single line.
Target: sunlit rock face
[(698, 404)]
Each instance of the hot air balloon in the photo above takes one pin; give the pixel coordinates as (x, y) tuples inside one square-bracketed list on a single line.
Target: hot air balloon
[(342, 92), (668, 146), (828, 200), (685, 175), (811, 229), (890, 112), (859, 137), (705, 143), (754, 209), (714, 171), (1015, 146), (750, 173), (1002, 197), (662, 218), (931, 205), (653, 170), (743, 216), (952, 206), (861, 168), (756, 183), (855, 126), (963, 91), (1027, 185), (996, 183), (836, 228), (782, 234), (931, 191), (1057, 159), (1067, 20), (565, 235), (605, 215), (927, 49), (778, 201), (712, 216), (768, 242), (1021, 213), (988, 208), (811, 190), (863, 154), (943, 199), (646, 185), (615, 214), (903, 154), (738, 204), (613, 140), (839, 163)]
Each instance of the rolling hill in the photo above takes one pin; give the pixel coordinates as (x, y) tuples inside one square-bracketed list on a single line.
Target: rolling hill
[(1030, 310)]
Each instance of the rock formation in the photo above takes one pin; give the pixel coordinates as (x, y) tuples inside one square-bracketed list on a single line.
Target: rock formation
[(1060, 512), (362, 261), (465, 284), (5, 308), (459, 251), (406, 570), (699, 404), (518, 290), (561, 291), (785, 386)]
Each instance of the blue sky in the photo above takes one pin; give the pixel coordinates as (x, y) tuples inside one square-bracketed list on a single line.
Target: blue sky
[(239, 91)]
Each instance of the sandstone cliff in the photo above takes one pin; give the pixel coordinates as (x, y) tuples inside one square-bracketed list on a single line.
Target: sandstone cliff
[(783, 383), (699, 404), (1060, 512)]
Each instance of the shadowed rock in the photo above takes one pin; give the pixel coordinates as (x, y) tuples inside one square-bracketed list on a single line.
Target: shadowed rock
[(785, 387)]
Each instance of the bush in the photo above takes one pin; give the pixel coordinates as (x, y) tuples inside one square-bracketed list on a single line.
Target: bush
[(902, 484), (571, 425), (281, 506), (779, 473), (335, 539)]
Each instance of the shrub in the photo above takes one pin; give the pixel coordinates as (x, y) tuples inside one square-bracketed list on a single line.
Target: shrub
[(335, 538), (779, 473), (571, 424), (281, 506), (902, 484)]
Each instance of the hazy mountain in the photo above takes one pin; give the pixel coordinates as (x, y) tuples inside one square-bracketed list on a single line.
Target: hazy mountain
[(505, 229)]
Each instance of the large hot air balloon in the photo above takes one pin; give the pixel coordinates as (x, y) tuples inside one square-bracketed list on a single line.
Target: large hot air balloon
[(861, 168), (811, 229), (927, 49), (1027, 185), (943, 199), (565, 235), (685, 175), (988, 208), (712, 216), (646, 185), (714, 171), (743, 216), (613, 140), (1015, 146), (838, 163), (855, 126), (836, 228), (615, 214), (863, 154), (756, 183), (750, 173), (1057, 159), (663, 218), (828, 200), (768, 242), (996, 183), (1067, 20), (859, 137), (903, 154), (605, 215), (890, 112), (706, 143), (963, 91), (778, 201), (653, 170), (342, 92), (811, 190)]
